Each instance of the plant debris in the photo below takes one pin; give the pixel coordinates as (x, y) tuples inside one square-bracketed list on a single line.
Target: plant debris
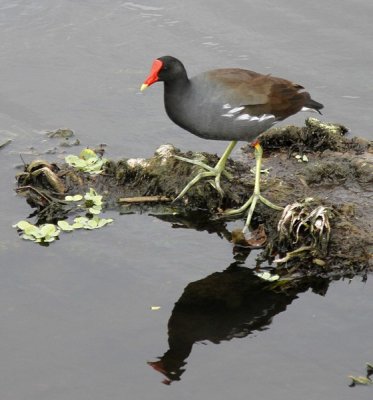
[(257, 239), (324, 229)]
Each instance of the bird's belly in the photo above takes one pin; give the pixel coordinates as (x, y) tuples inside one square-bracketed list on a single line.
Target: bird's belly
[(216, 123)]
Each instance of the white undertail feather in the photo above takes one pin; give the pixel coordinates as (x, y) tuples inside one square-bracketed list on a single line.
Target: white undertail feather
[(307, 109)]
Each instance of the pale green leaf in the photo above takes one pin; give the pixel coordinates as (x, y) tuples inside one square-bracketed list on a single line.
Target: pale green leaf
[(95, 210), (65, 226), (267, 276), (28, 237), (104, 221), (361, 380), (49, 239), (71, 158), (22, 225), (77, 225), (81, 220), (77, 197), (92, 224), (87, 154), (47, 230)]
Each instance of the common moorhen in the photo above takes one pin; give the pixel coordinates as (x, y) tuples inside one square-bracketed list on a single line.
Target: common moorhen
[(227, 104)]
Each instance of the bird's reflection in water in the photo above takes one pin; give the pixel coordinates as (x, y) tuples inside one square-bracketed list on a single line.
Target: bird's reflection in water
[(222, 306)]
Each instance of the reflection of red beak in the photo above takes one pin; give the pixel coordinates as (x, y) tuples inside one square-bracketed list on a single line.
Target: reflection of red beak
[(153, 76), (158, 366)]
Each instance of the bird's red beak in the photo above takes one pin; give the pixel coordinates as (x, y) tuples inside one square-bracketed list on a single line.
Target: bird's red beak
[(153, 76)]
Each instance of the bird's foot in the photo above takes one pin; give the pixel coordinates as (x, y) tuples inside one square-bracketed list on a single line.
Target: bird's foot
[(256, 196), (204, 166), (252, 204), (214, 172)]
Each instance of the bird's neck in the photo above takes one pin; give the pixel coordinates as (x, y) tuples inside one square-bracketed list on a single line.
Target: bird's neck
[(177, 96), (179, 84)]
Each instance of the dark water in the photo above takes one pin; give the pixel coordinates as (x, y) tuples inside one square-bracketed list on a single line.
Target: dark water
[(76, 319)]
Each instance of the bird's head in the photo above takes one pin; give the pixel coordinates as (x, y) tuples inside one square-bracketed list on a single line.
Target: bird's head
[(164, 69)]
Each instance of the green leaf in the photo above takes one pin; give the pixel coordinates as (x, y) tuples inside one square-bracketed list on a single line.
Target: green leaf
[(28, 237), (361, 380), (77, 225), (103, 221), (48, 230), (267, 276), (86, 154), (65, 226), (92, 224), (22, 225), (49, 239), (88, 161), (33, 230), (91, 194), (77, 197), (39, 234), (93, 201), (95, 210), (80, 222), (74, 160)]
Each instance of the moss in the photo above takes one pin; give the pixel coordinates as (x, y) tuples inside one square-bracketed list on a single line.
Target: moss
[(329, 172)]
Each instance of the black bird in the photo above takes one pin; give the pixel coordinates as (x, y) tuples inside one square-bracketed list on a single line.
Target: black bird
[(227, 104)]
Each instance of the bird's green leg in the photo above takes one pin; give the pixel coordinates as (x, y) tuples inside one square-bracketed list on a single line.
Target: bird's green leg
[(256, 195), (216, 171)]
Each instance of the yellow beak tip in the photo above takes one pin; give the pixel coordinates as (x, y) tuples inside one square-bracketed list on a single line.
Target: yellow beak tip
[(143, 87)]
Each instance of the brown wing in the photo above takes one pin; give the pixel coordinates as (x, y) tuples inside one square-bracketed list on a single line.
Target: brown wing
[(286, 98), (261, 94)]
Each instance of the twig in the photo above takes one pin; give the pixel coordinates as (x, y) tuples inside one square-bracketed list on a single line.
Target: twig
[(28, 187), (144, 199)]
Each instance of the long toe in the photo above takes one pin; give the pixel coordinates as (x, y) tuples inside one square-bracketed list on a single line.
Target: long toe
[(195, 180)]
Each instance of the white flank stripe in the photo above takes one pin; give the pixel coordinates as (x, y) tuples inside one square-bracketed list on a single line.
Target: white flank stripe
[(235, 110), (247, 117), (264, 117), (231, 112)]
